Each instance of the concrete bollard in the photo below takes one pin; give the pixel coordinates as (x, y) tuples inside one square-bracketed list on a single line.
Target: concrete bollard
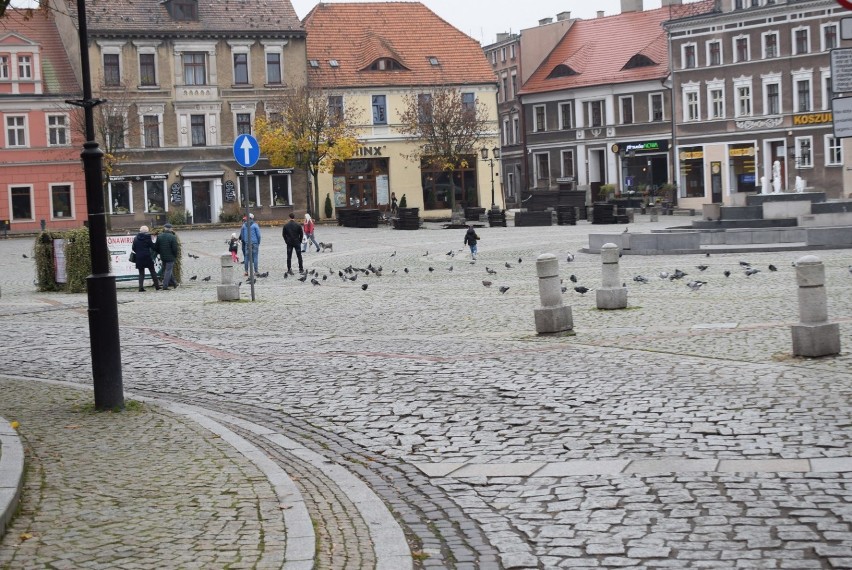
[(610, 295), (553, 316), (655, 214), (228, 290), (814, 335)]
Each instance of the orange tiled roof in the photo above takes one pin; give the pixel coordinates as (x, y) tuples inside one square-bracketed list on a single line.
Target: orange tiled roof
[(598, 49), (357, 34), (56, 72)]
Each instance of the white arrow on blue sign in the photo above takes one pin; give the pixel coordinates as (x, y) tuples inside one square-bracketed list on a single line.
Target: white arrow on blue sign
[(246, 151)]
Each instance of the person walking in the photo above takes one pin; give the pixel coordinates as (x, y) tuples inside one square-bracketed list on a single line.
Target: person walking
[(167, 247), (292, 234), (143, 248), (250, 236), (309, 234), (394, 204), (470, 239)]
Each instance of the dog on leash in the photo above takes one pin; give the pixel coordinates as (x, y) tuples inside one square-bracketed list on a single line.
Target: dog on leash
[(326, 247)]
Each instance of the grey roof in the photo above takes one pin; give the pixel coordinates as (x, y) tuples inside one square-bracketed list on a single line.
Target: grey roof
[(234, 17)]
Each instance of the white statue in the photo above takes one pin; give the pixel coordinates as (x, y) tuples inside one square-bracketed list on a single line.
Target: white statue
[(764, 185), (776, 177), (800, 184)]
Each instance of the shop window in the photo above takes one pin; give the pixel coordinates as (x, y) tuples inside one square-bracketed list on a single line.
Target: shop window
[(155, 196), (253, 191), (22, 203), (692, 171), (280, 186), (60, 201), (120, 198), (444, 189)]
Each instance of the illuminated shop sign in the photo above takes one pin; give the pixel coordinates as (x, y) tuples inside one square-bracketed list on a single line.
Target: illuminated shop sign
[(812, 119)]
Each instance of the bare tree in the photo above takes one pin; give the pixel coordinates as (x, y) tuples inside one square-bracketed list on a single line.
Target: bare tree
[(308, 127)]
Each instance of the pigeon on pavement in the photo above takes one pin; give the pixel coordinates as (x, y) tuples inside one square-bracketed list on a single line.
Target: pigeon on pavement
[(193, 278), (772, 267), (503, 288), (486, 283), (581, 290), (573, 278), (364, 287), (570, 257)]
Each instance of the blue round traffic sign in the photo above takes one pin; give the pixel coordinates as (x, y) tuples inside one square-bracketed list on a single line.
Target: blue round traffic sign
[(246, 151)]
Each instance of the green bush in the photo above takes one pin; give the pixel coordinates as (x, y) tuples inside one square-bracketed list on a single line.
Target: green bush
[(78, 260), (403, 203), (328, 209), (177, 217), (229, 217)]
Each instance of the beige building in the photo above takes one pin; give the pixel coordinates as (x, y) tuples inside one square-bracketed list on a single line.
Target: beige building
[(369, 57)]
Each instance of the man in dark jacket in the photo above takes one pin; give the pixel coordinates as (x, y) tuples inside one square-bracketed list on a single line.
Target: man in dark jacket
[(167, 247), (292, 234)]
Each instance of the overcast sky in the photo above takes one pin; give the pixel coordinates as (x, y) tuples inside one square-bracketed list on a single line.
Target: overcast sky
[(483, 19)]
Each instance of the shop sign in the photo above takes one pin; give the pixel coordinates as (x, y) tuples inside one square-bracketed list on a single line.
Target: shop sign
[(270, 172), (230, 191), (138, 177), (748, 151), (812, 119), (646, 146), (369, 151), (176, 193), (694, 155)]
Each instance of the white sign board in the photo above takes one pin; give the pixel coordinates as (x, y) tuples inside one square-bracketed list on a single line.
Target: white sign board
[(119, 252), (841, 70), (846, 28), (841, 109)]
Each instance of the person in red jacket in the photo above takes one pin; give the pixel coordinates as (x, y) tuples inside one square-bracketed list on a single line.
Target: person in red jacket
[(309, 234)]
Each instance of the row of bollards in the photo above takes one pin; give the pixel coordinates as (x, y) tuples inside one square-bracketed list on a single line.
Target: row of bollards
[(814, 336)]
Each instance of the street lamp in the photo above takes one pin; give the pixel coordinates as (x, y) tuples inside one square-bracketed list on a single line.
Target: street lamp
[(495, 155), (306, 160)]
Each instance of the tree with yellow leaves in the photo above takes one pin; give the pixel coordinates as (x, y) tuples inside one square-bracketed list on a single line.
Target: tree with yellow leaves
[(307, 127)]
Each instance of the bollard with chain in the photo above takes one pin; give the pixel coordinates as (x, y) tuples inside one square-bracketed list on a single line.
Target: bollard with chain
[(552, 316), (611, 294), (814, 335)]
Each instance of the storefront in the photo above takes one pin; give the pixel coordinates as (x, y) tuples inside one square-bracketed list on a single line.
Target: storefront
[(742, 168), (144, 193), (691, 160), (443, 189), (644, 166), (362, 183)]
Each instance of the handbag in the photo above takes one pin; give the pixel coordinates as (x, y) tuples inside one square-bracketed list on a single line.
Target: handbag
[(132, 257)]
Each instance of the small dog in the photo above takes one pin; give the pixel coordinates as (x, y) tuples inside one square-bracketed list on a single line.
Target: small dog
[(326, 247)]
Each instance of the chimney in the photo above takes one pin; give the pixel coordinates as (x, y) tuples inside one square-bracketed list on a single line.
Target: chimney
[(562, 16), (503, 36), (545, 21), (600, 13), (631, 6), (672, 3)]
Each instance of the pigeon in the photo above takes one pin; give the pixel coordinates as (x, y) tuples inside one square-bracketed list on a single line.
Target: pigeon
[(707, 254), (206, 278), (664, 275), (570, 257), (490, 271), (451, 253), (431, 269), (503, 288), (508, 265), (325, 277), (573, 278), (393, 254), (696, 285), (286, 274), (678, 274), (240, 283), (193, 278), (520, 260), (303, 278), (581, 290), (751, 271), (486, 283), (340, 274), (625, 231), (193, 256), (353, 278), (406, 270), (314, 281), (640, 279), (426, 254), (24, 255), (745, 264), (701, 267), (451, 268), (264, 274), (772, 267), (564, 289), (364, 287), (727, 273)]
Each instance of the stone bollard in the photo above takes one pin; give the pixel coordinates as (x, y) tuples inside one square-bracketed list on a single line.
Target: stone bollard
[(655, 214), (228, 290), (553, 316), (814, 335), (611, 294)]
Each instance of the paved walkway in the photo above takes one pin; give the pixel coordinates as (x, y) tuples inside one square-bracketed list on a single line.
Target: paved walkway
[(422, 422)]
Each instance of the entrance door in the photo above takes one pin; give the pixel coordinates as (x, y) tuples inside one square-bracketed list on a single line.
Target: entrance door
[(597, 170), (201, 213), (361, 192)]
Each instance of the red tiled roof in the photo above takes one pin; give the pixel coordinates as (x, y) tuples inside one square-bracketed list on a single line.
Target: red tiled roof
[(357, 34), (56, 72), (598, 49)]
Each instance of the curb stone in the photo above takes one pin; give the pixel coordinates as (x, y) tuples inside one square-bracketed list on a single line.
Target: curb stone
[(11, 473)]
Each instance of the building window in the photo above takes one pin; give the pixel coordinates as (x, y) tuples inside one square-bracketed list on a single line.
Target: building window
[(801, 41), (512, 51), (540, 121), (151, 131), (4, 67), (803, 95), (773, 99), (504, 132), (469, 104), (833, 151), (804, 156), (60, 201), (770, 45), (504, 81), (714, 52), (717, 103), (57, 130), (380, 110), (194, 68), (184, 10), (596, 117), (241, 74), (689, 56), (147, 70), (566, 116), (656, 107), (335, 109), (829, 36), (155, 196), (514, 84), (516, 130), (16, 131), (120, 198), (691, 109), (827, 93), (25, 68), (626, 110), (502, 54), (112, 70), (744, 101), (273, 68), (741, 49), (280, 185), (567, 163), (542, 170), (199, 132), (243, 123), (22, 203)]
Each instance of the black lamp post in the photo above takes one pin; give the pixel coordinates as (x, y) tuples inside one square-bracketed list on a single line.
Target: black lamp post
[(495, 155), (103, 304), (307, 160)]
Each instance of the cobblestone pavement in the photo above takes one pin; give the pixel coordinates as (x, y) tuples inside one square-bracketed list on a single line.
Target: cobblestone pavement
[(426, 372)]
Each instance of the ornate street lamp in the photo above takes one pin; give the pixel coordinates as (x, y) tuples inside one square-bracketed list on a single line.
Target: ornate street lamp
[(306, 160), (495, 155)]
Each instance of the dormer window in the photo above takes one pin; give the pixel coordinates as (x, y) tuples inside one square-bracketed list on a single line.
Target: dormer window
[(433, 60), (183, 10), (386, 64), (313, 63), (334, 63), (561, 70), (639, 60)]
